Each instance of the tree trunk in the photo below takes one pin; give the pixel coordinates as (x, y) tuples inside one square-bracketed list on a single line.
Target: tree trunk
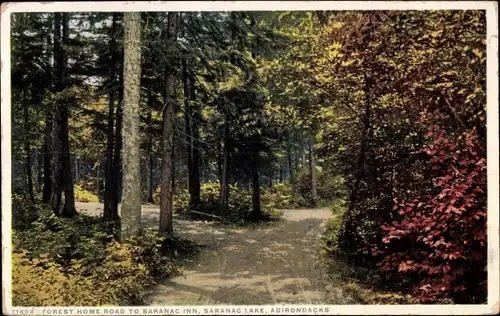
[(62, 179), (188, 128), (304, 158), (77, 171), (224, 188), (312, 171), (196, 153), (27, 147), (166, 189), (296, 159), (257, 213), (149, 154), (358, 175), (39, 169), (98, 178), (219, 162), (172, 158), (57, 163), (131, 202), (47, 147), (290, 163), (108, 173), (117, 155), (362, 150), (191, 116), (69, 208)]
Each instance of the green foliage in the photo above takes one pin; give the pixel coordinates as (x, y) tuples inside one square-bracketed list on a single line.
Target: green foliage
[(82, 195), (238, 209), (330, 186), (330, 238), (24, 211), (40, 281), (78, 256), (281, 196), (418, 87)]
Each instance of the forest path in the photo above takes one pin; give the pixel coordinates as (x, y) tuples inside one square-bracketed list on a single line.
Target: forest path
[(264, 264)]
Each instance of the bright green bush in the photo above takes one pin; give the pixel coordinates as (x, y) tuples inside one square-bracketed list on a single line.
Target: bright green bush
[(330, 237), (281, 196), (61, 261), (82, 195), (238, 208), (37, 282), (42, 282), (63, 238)]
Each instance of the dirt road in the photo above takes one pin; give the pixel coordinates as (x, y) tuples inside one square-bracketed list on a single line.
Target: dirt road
[(266, 264)]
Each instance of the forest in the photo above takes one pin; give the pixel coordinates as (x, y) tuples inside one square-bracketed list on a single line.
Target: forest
[(129, 127)]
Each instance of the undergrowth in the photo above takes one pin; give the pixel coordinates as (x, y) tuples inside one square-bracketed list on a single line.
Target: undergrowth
[(366, 285), (85, 196), (238, 210), (68, 262)]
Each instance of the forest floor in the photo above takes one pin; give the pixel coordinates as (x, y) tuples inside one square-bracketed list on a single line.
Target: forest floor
[(261, 264)]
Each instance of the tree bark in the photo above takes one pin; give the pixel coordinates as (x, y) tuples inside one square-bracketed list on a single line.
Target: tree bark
[(312, 171), (166, 188), (362, 150), (131, 202), (219, 163), (77, 171), (62, 178), (98, 178), (196, 153), (304, 158), (224, 188), (149, 154), (290, 163), (172, 158), (188, 128), (69, 208), (256, 193), (39, 169), (296, 159), (27, 147), (358, 175), (191, 116), (117, 155), (108, 173), (47, 147), (56, 162)]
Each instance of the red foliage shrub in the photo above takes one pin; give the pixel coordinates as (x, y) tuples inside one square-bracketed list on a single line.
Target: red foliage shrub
[(440, 238)]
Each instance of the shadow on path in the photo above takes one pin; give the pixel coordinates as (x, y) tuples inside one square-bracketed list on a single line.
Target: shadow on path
[(267, 264)]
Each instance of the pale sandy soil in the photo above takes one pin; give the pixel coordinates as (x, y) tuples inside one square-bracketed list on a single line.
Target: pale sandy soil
[(266, 264)]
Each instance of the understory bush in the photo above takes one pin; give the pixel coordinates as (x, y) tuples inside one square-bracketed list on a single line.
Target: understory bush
[(282, 196), (440, 237), (329, 186), (237, 211), (63, 262), (85, 196), (330, 237)]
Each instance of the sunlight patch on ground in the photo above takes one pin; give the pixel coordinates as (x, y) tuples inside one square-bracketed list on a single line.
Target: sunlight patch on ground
[(263, 264)]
